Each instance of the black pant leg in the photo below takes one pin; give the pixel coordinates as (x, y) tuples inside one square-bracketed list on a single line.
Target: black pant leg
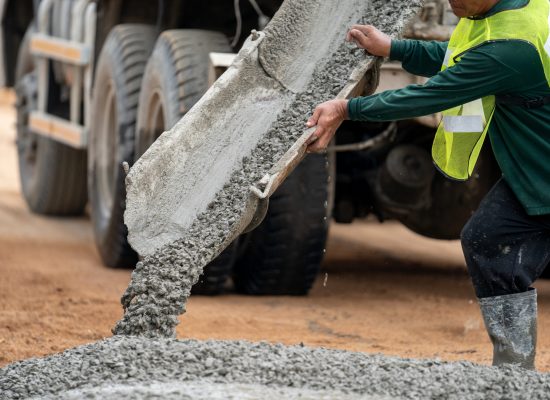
[(506, 250)]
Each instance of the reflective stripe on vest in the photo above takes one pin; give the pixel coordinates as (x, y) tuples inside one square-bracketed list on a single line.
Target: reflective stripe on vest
[(463, 124), (463, 129), (471, 119)]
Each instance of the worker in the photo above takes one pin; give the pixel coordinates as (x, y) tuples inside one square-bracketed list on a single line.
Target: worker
[(492, 78)]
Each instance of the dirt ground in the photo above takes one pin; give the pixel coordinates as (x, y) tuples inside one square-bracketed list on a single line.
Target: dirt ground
[(383, 289)]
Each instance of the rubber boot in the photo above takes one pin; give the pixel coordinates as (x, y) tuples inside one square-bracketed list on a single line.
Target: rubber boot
[(511, 321)]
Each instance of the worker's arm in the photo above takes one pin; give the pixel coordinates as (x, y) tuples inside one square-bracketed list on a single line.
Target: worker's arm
[(490, 69), (494, 68), (419, 57)]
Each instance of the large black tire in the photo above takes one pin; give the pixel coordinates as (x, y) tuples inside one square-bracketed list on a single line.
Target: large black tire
[(176, 78), (52, 175), (283, 255), (118, 79)]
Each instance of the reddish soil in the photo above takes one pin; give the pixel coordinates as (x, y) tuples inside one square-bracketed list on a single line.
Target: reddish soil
[(382, 289)]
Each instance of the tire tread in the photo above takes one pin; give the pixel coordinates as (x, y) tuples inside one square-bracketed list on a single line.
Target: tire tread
[(127, 49)]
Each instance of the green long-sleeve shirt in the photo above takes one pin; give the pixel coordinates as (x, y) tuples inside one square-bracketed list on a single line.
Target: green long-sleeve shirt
[(520, 137)]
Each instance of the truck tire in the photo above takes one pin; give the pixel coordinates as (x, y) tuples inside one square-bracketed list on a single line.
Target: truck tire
[(283, 255), (118, 77), (176, 78), (52, 175)]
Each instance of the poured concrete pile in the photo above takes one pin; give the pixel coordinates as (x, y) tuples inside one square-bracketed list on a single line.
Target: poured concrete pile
[(124, 368), (189, 195)]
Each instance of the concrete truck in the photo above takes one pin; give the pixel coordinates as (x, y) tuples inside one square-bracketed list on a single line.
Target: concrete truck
[(98, 81)]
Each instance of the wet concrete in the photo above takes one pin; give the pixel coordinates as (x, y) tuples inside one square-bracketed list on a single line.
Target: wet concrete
[(131, 367), (162, 281)]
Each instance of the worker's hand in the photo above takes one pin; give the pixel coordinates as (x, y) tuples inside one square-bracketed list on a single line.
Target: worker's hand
[(327, 117), (371, 39)]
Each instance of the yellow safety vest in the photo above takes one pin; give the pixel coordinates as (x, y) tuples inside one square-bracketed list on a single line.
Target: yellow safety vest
[(463, 129)]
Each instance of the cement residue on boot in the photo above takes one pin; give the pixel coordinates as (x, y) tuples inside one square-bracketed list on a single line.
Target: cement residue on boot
[(162, 281), (131, 368)]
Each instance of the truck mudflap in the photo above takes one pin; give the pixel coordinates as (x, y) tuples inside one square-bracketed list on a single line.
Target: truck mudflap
[(267, 94)]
